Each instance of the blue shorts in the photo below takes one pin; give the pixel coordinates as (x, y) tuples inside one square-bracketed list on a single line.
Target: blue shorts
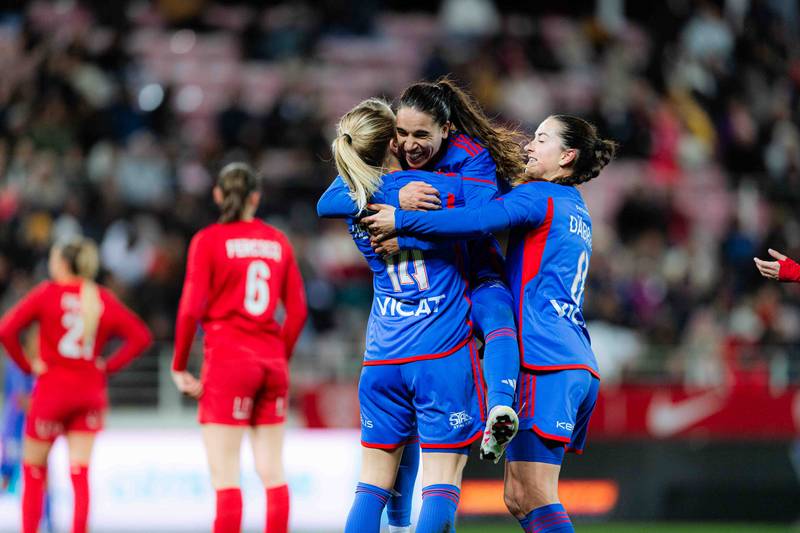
[(440, 400), (554, 411)]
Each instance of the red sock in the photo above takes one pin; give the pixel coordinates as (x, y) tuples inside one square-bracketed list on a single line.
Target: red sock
[(229, 511), (278, 509), (80, 488), (34, 478)]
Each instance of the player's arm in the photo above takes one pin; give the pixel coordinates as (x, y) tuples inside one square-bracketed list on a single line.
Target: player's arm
[(294, 302), (16, 320), (194, 299), (521, 206), (126, 325), (782, 269), (336, 202), (478, 188)]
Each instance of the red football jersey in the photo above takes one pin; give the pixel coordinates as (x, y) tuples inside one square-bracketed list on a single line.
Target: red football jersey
[(56, 307), (236, 273)]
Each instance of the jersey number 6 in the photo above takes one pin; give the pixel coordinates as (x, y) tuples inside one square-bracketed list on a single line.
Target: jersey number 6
[(256, 292)]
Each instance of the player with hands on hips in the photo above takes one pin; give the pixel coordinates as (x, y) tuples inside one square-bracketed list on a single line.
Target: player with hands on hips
[(77, 318)]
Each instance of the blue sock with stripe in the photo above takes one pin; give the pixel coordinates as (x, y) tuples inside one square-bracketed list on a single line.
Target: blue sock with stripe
[(501, 366), (399, 507), (439, 504), (551, 518), (365, 514)]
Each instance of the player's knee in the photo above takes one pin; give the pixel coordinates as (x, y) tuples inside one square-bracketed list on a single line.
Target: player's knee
[(270, 473), (512, 504)]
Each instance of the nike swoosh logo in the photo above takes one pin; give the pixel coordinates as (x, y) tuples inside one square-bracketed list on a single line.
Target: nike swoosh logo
[(666, 418)]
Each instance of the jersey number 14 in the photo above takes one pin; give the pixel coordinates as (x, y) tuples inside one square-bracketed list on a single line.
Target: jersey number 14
[(397, 269)]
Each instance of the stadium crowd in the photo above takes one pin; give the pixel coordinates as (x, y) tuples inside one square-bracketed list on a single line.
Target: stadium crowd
[(114, 122)]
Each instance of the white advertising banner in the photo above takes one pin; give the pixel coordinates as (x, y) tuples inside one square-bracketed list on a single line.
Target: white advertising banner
[(157, 481)]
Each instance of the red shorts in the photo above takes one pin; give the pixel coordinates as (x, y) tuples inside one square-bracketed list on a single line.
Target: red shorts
[(243, 391), (66, 401)]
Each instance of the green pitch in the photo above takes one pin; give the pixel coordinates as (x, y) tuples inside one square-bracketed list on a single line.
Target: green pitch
[(642, 528)]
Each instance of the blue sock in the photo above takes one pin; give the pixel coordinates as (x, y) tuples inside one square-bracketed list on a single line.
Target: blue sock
[(548, 519), (365, 514), (501, 365), (439, 504), (399, 507)]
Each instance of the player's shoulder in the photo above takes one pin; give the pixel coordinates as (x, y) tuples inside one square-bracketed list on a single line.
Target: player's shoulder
[(45, 288), (540, 187), (465, 146)]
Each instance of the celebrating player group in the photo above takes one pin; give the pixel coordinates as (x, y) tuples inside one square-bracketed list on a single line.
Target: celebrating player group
[(422, 188), (464, 343)]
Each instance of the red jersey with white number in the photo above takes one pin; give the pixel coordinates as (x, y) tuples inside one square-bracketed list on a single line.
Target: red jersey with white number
[(57, 309), (236, 274)]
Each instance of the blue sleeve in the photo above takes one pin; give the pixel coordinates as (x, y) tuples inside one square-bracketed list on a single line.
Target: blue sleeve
[(336, 202), (409, 242), (523, 206)]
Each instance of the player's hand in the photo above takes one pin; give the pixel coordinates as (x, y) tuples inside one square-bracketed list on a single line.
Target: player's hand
[(100, 364), (770, 269), (38, 366), (381, 224), (187, 384), (419, 196), (385, 248)]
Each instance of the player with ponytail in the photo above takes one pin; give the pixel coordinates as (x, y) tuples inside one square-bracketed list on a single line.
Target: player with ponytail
[(236, 273), (421, 379), (76, 318), (441, 128), (550, 246)]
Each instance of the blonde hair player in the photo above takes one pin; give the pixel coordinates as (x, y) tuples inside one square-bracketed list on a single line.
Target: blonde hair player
[(421, 378), (76, 320)]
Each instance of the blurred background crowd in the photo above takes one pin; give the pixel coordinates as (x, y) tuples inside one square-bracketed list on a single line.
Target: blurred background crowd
[(116, 116)]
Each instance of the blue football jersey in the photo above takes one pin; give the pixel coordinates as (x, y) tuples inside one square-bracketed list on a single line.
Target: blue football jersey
[(420, 308), (549, 250)]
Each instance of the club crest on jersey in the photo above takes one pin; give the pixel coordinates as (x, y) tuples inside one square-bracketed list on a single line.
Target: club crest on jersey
[(389, 306), (459, 420), (242, 408)]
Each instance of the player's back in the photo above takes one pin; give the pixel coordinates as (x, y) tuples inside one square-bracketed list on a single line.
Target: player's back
[(57, 309), (420, 308), (547, 268), (243, 267)]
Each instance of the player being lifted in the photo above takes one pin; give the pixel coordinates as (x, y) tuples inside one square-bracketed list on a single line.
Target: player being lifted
[(76, 318), (548, 261), (421, 376), (440, 128), (236, 273)]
